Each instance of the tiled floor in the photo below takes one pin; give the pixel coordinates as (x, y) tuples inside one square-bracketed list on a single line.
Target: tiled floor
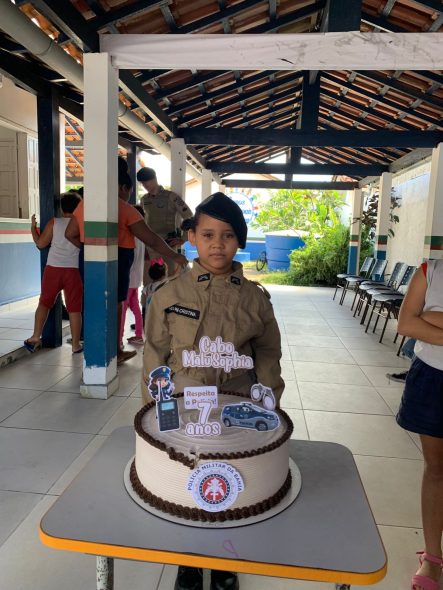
[(336, 390), (17, 324)]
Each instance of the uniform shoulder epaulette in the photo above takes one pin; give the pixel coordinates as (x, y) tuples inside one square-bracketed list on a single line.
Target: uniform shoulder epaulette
[(260, 286)]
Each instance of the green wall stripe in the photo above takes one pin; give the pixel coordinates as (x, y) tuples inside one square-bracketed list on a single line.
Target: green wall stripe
[(434, 240), (354, 237), (25, 224), (381, 239), (101, 229)]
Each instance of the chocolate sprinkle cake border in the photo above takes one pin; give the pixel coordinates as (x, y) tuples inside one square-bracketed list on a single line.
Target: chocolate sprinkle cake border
[(197, 514), (192, 463)]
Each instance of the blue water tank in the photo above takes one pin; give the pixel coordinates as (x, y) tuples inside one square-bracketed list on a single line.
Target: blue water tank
[(278, 247)]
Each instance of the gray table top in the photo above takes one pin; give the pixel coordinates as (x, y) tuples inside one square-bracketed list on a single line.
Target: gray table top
[(328, 533)]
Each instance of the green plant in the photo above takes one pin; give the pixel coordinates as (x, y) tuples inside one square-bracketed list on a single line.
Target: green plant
[(300, 209), (321, 259), (369, 215)]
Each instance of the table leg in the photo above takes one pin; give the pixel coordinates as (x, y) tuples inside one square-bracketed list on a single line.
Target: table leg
[(105, 573)]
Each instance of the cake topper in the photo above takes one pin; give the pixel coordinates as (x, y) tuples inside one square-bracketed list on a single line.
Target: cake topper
[(264, 394), (217, 354), (247, 415), (161, 388), (202, 398)]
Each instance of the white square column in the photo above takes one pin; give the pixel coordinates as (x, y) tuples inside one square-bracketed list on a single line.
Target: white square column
[(433, 243), (354, 232), (101, 226), (383, 222), (178, 167), (206, 186)]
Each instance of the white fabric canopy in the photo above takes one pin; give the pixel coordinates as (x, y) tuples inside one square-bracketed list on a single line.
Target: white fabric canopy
[(307, 51)]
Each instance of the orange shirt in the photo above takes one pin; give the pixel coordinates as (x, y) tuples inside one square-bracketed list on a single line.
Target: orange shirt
[(127, 216)]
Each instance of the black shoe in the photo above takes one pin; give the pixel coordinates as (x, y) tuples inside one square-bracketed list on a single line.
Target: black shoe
[(224, 580), (189, 578), (399, 377)]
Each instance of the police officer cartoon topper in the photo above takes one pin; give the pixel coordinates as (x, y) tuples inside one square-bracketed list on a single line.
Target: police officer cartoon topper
[(160, 385)]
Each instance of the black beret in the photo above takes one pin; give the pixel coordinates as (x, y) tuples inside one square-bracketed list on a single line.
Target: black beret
[(146, 174), (225, 209)]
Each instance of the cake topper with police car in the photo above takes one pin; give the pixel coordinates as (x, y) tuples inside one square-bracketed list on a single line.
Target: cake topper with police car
[(218, 355)]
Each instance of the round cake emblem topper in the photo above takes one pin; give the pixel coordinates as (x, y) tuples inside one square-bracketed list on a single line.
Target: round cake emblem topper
[(215, 486)]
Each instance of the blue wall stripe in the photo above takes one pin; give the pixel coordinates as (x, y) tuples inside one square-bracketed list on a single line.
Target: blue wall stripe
[(100, 315), (380, 254), (19, 271), (353, 260)]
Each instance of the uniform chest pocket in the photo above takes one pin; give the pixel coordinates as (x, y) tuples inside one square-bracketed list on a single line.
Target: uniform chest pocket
[(184, 321)]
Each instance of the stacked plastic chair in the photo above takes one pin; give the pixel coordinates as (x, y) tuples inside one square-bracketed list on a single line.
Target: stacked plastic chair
[(377, 271), (343, 278), (365, 288), (387, 305)]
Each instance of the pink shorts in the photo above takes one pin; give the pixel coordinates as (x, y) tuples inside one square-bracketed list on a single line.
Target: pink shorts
[(68, 280)]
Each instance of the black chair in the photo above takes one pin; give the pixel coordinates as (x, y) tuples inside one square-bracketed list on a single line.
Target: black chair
[(364, 273), (366, 287), (389, 303), (377, 271)]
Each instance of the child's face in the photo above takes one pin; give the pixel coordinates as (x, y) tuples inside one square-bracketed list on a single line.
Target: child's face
[(216, 244)]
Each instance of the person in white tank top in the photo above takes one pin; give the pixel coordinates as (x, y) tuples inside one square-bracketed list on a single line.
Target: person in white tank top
[(61, 274), (421, 408)]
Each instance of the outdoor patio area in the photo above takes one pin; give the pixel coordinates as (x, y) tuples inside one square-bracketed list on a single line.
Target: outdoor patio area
[(336, 390)]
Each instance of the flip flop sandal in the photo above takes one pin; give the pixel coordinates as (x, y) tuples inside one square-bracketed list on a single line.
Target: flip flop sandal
[(78, 351), (425, 582), (31, 346)]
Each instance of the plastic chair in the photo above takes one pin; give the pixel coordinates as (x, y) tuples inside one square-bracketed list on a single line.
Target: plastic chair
[(364, 273)]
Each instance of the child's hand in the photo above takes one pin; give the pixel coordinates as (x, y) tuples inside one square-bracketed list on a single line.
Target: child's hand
[(33, 221)]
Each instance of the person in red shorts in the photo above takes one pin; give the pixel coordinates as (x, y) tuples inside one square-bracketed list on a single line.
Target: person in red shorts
[(131, 225), (61, 274)]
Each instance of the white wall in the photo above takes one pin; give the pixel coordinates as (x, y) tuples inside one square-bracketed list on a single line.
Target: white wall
[(412, 186), (18, 108)]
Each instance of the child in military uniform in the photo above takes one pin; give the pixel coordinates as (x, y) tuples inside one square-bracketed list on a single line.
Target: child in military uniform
[(213, 299)]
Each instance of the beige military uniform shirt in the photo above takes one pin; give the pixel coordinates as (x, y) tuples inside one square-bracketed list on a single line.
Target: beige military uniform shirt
[(165, 211), (198, 304)]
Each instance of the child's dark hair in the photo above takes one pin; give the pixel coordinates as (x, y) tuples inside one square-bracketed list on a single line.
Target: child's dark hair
[(69, 202), (190, 223), (124, 180), (157, 271)]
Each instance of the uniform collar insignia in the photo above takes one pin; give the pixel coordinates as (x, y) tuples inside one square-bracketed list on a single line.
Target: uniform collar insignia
[(204, 277), (235, 280)]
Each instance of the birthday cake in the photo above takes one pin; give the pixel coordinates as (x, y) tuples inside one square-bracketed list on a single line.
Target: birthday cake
[(228, 466)]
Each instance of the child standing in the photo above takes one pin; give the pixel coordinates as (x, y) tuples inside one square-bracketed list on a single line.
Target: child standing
[(421, 408), (61, 274), (135, 280), (213, 299)]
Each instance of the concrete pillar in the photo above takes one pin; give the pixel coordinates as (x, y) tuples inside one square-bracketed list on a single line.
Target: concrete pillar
[(433, 244), (178, 167), (384, 207), (62, 153), (101, 226), (48, 122), (355, 234), (206, 183)]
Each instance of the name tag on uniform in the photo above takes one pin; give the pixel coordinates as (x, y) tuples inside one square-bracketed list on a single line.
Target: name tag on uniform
[(204, 277), (185, 311)]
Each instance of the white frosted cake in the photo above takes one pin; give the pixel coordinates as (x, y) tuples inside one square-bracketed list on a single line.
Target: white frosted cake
[(165, 461)]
